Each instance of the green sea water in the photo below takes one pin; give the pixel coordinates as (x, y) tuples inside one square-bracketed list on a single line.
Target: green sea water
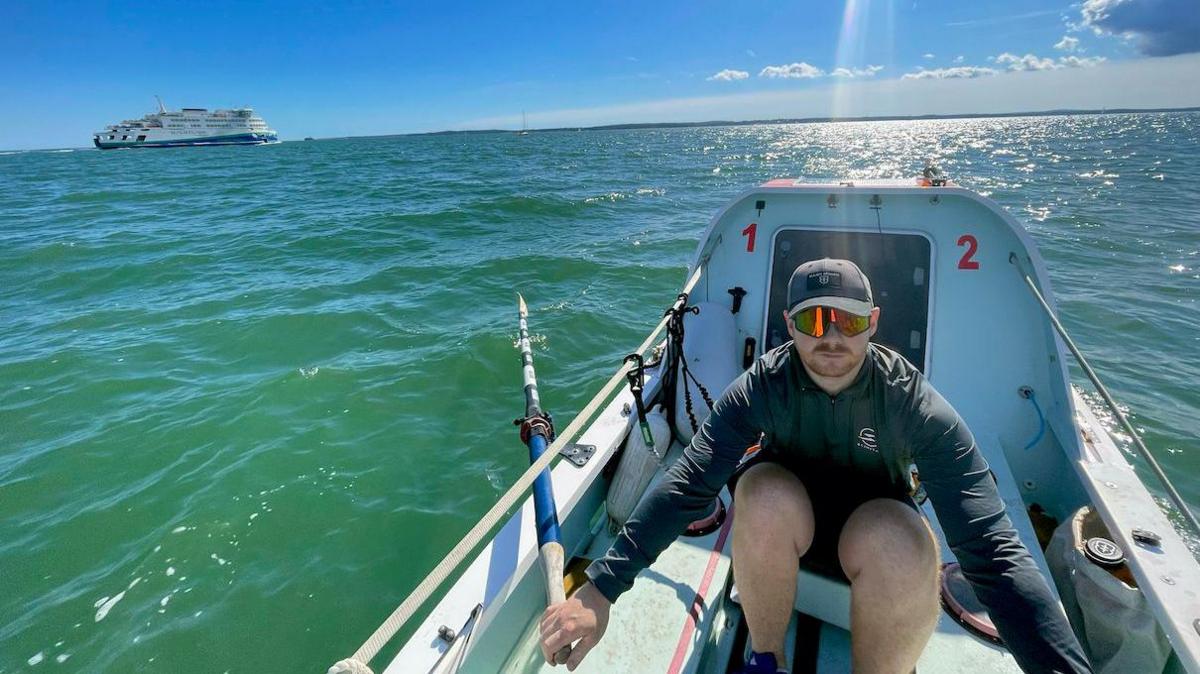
[(249, 396)]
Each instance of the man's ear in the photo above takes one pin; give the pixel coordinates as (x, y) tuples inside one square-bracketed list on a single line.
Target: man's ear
[(874, 322)]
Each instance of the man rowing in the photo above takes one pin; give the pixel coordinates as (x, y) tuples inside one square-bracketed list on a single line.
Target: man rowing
[(832, 423)]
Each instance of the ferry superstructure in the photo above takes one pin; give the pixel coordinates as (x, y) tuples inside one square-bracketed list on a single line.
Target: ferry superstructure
[(187, 126)]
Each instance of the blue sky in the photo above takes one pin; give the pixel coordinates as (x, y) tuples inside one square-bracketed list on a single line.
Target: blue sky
[(66, 69)]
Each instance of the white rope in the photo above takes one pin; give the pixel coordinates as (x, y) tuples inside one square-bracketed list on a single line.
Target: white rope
[(475, 536), (349, 666)]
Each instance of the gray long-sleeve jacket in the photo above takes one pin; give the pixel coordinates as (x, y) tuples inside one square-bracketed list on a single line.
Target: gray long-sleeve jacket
[(889, 418)]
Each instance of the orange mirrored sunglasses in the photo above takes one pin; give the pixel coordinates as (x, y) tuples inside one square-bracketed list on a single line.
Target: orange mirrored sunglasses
[(815, 321)]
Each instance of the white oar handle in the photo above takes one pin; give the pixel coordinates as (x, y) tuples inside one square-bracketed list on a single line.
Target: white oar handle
[(552, 568), (552, 564)]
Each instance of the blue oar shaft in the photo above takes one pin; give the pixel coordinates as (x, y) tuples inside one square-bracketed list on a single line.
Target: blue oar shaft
[(543, 492), (535, 431), (543, 496)]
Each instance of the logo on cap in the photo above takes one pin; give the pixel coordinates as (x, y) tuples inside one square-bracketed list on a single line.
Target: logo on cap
[(820, 280)]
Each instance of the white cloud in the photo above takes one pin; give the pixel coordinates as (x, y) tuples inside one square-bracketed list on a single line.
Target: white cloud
[(851, 73), (1002, 19), (1026, 62), (751, 53), (1032, 62), (1068, 43), (958, 59), (728, 75), (927, 55), (1157, 27), (807, 71), (956, 73), (800, 70), (1077, 62)]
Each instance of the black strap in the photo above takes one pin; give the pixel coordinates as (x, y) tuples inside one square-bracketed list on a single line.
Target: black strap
[(637, 382), (675, 336)]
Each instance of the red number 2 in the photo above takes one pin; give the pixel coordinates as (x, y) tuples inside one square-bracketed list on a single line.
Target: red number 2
[(750, 232), (972, 245)]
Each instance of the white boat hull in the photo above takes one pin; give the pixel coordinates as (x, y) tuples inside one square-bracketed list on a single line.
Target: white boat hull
[(680, 616)]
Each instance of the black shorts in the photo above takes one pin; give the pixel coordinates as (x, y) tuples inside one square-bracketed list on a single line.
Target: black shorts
[(834, 496)]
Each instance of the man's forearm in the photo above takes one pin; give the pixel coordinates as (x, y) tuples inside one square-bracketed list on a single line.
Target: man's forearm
[(660, 517), (688, 488), (1020, 603)]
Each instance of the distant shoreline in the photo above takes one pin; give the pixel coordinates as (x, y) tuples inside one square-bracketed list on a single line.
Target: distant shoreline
[(807, 120), (719, 122)]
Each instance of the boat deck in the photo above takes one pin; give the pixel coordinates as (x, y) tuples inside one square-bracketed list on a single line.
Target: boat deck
[(663, 623)]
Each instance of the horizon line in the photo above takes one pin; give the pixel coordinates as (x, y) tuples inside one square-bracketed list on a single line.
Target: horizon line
[(627, 126)]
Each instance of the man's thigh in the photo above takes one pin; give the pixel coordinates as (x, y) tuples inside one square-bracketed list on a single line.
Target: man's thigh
[(888, 533), (773, 495)]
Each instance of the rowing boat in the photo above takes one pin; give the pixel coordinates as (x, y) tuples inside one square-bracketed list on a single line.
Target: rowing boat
[(966, 298)]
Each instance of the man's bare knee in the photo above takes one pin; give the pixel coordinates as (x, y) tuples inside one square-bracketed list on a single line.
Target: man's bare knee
[(888, 536), (773, 503)]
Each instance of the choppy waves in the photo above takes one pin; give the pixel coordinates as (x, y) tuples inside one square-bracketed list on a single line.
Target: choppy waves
[(245, 386)]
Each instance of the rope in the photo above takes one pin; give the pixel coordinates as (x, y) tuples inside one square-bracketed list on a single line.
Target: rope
[(349, 666), (1041, 422), (703, 391), (1112, 404), (491, 518)]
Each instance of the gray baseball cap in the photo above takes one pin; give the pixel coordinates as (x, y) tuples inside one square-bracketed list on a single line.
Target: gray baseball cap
[(830, 283)]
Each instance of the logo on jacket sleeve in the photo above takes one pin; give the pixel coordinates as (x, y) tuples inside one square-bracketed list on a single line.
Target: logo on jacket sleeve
[(866, 440)]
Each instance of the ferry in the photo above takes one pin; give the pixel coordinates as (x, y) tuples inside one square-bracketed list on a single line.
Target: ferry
[(188, 126)]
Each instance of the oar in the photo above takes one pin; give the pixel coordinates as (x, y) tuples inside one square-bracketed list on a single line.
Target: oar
[(535, 432)]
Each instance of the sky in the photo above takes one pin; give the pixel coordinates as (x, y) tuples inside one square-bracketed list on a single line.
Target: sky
[(371, 68)]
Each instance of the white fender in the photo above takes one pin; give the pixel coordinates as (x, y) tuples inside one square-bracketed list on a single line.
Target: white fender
[(712, 354), (638, 465)]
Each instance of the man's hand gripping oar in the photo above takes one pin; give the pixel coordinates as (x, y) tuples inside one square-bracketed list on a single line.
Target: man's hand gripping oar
[(562, 623)]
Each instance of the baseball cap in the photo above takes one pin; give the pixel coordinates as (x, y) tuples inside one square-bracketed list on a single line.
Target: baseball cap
[(830, 283)]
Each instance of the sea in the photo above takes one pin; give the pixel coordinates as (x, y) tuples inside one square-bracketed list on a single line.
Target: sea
[(250, 396)]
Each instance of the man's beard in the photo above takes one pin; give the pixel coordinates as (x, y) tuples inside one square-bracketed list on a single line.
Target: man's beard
[(825, 368)]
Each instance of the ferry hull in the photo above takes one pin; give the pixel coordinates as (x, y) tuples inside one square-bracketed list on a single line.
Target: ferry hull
[(237, 139)]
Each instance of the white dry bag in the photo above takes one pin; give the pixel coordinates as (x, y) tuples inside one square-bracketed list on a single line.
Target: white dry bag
[(638, 465)]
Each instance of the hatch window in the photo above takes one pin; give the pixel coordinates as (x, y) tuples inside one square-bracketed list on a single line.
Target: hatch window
[(897, 265)]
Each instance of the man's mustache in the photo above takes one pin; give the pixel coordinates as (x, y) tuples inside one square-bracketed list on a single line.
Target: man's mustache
[(831, 349)]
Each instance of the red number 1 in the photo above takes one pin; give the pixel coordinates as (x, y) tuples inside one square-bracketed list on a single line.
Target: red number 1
[(750, 232)]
